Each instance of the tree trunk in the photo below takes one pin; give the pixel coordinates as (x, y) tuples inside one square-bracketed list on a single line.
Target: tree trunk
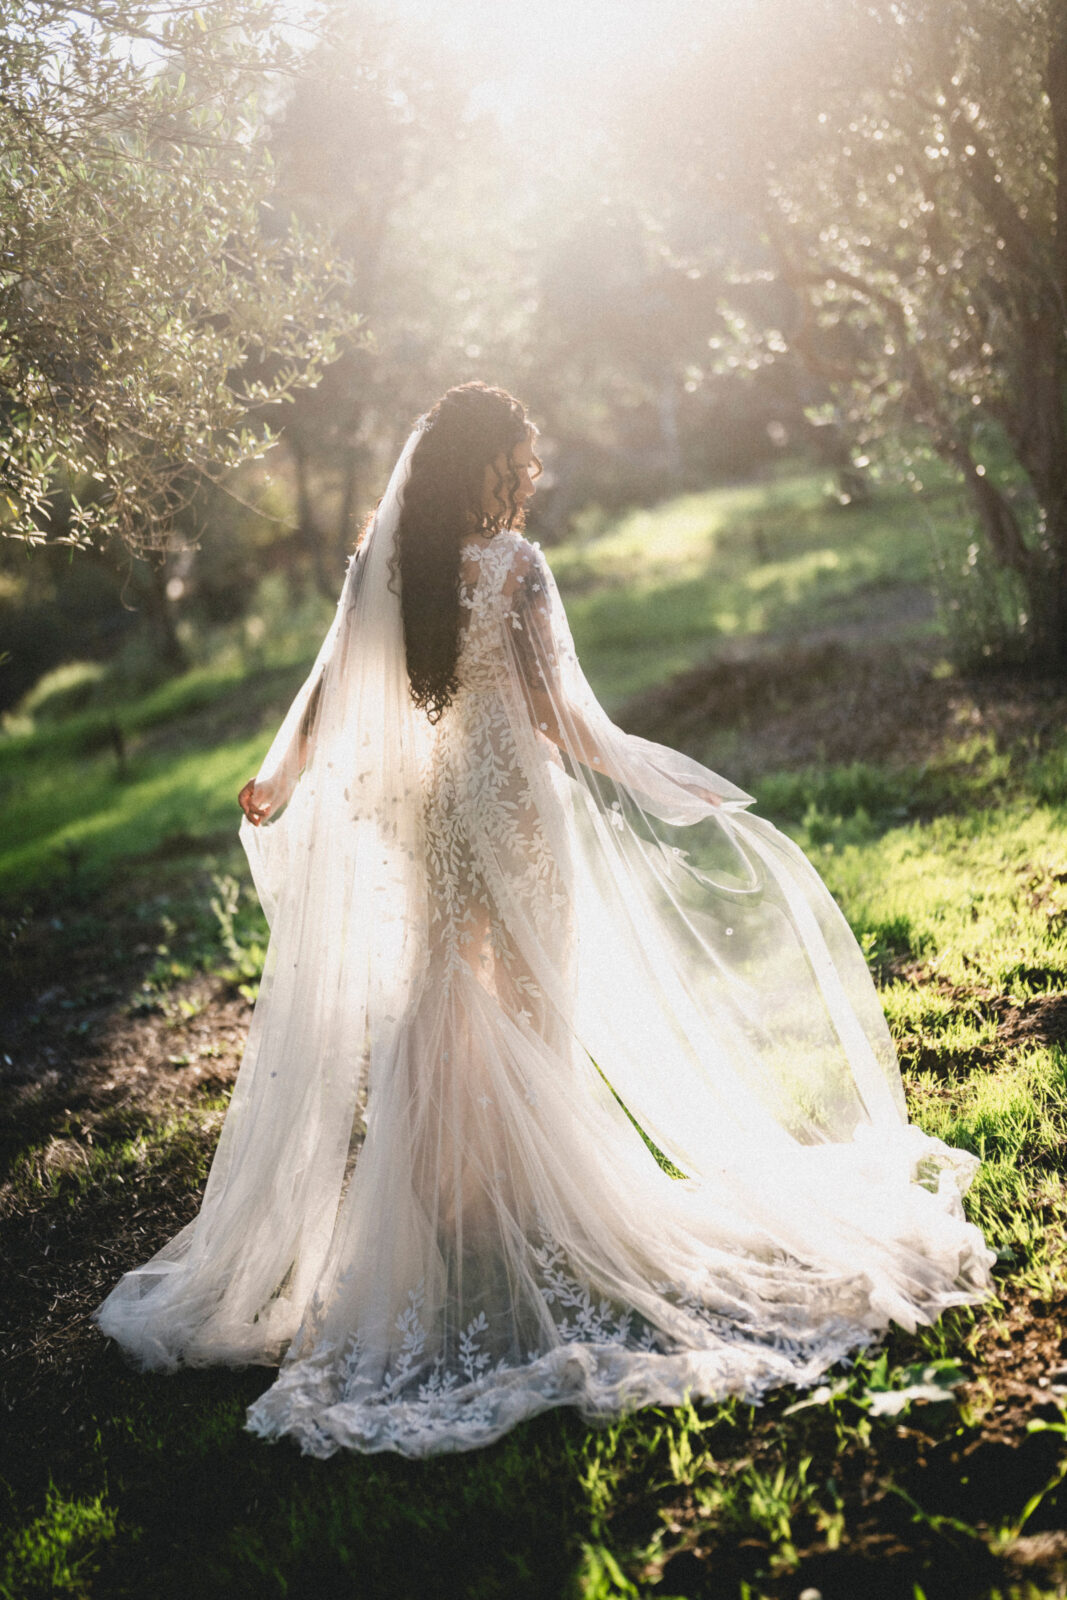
[(832, 447), (997, 517), (668, 431), (1050, 617), (310, 536), (1056, 85), (1035, 424), (1048, 595), (351, 456), (160, 615)]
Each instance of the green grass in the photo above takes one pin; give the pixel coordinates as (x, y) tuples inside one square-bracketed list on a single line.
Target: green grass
[(62, 1172), (954, 876), (977, 895), (647, 599), (59, 1552), (654, 595), (68, 818), (74, 808)]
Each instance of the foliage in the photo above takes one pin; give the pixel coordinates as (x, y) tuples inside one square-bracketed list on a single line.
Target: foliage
[(905, 169), (151, 302), (245, 950)]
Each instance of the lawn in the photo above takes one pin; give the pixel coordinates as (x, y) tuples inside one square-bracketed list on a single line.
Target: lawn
[(650, 597), (934, 805), (735, 567)]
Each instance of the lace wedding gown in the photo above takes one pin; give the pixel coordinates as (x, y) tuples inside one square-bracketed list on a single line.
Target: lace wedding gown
[(596, 1107)]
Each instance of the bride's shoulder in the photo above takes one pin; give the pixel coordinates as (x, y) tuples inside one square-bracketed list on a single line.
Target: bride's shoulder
[(525, 562), (522, 551), (506, 564)]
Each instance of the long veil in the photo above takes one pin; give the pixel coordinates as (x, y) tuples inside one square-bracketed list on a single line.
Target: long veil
[(340, 876), (634, 1125)]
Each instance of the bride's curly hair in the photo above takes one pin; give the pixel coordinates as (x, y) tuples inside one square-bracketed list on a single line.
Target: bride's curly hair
[(469, 427)]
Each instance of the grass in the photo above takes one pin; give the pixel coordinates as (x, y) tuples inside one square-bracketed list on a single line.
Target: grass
[(931, 1467), (115, 779), (979, 892), (649, 598)]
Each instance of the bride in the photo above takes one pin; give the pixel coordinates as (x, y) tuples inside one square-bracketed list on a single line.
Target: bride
[(567, 1083)]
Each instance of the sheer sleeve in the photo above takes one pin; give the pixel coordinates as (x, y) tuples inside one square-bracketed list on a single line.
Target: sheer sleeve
[(563, 707), (671, 873), (536, 658)]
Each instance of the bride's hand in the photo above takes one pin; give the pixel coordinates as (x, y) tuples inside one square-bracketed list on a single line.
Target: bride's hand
[(258, 800), (707, 796)]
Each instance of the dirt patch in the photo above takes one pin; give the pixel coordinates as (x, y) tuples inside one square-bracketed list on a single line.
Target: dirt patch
[(1020, 1366), (828, 702), (1041, 1020), (921, 1499), (72, 1061), (92, 1054)]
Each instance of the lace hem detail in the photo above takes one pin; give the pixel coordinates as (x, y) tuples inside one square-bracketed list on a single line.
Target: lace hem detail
[(599, 1380)]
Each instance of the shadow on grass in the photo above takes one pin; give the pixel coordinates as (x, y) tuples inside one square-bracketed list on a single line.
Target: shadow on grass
[(196, 1506), (165, 1494)]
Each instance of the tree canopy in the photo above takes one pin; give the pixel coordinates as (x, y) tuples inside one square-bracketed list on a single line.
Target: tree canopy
[(904, 165), (152, 303)]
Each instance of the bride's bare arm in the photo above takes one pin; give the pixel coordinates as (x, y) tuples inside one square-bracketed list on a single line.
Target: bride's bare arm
[(579, 742), (552, 710), (262, 797)]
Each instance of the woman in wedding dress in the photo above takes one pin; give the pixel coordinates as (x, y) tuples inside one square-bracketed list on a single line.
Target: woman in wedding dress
[(567, 1082)]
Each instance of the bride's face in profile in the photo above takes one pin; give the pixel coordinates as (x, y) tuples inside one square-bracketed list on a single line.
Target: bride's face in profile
[(520, 463)]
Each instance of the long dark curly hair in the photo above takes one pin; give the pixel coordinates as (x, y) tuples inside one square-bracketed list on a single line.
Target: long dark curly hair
[(465, 432)]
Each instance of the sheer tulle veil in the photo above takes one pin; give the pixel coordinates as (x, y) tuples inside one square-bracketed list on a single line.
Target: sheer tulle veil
[(567, 1081), (340, 876)]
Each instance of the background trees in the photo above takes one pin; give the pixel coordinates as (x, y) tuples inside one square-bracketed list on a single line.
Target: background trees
[(826, 227), (904, 165), (148, 307), (378, 145)]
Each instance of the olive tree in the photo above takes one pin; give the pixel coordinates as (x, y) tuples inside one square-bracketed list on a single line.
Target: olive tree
[(902, 166), (152, 303)]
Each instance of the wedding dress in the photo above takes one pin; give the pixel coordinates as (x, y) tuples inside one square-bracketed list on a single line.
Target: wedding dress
[(565, 1085)]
